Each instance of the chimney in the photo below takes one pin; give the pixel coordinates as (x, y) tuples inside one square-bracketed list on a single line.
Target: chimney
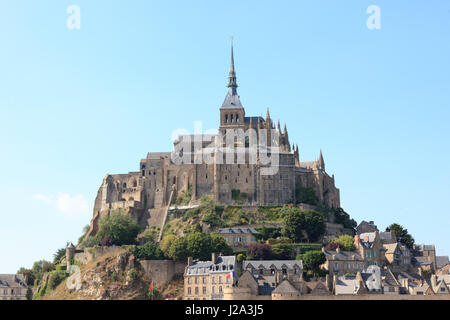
[(189, 262), (356, 241), (213, 257), (371, 223), (433, 281), (338, 249)]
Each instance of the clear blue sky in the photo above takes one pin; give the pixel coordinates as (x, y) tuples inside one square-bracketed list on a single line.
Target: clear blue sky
[(78, 104)]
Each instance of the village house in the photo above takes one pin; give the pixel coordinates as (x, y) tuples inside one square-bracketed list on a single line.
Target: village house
[(342, 262), (269, 279), (370, 247), (365, 227), (398, 256), (389, 283), (425, 256), (366, 282), (441, 261), (238, 238), (13, 287), (206, 280)]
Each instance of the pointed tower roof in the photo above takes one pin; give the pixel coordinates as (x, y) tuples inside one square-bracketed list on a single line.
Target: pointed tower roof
[(232, 99), (321, 162)]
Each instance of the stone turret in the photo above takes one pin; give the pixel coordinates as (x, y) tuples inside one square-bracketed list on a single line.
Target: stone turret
[(70, 253)]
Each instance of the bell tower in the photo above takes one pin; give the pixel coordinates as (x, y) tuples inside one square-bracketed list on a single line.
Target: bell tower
[(232, 112)]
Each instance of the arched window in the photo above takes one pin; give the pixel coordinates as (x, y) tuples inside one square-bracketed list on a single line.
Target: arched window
[(124, 184), (231, 118), (226, 118), (237, 118)]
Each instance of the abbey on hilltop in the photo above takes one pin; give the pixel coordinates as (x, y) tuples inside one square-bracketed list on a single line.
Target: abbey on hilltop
[(147, 193)]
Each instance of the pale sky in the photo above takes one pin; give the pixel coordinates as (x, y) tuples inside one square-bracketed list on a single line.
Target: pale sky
[(78, 104)]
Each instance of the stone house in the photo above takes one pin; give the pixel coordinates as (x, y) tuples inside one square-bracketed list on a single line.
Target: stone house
[(439, 285), (13, 287), (318, 287), (424, 254), (238, 238), (342, 262), (370, 247), (268, 279), (365, 227), (389, 283), (366, 282), (398, 256), (206, 280), (445, 270)]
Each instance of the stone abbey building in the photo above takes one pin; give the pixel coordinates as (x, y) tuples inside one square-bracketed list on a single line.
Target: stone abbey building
[(148, 192)]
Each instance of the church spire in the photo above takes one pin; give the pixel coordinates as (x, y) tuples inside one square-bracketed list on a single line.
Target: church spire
[(232, 84), (321, 161)]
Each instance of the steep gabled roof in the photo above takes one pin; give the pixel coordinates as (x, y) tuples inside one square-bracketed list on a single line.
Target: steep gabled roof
[(285, 287)]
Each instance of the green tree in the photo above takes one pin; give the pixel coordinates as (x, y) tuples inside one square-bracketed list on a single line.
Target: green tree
[(345, 242), (178, 249), (402, 235), (148, 251), (293, 224), (306, 195), (283, 251), (165, 243), (198, 245), (312, 260), (59, 254), (220, 245), (118, 226), (298, 223), (314, 225)]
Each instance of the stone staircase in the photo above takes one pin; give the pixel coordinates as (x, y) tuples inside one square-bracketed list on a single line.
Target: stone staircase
[(166, 211)]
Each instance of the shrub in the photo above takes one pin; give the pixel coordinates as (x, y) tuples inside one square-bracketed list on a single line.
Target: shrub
[(191, 213), (148, 251), (345, 242), (89, 242), (119, 227), (55, 278), (212, 219), (133, 273), (283, 251)]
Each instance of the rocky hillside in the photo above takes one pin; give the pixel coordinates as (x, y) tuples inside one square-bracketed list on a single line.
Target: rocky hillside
[(114, 276)]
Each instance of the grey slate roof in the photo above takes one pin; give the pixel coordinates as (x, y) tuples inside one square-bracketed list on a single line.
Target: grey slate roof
[(237, 230), (223, 264), (420, 261), (385, 235), (12, 281), (388, 278), (441, 261), (231, 101), (347, 285), (278, 264), (424, 247), (285, 287), (372, 278), (343, 256), (254, 119)]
